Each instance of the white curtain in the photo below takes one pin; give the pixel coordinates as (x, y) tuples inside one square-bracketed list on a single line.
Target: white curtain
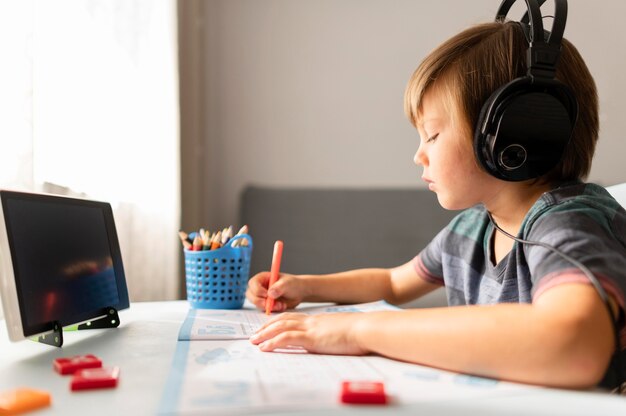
[(16, 31), (93, 111)]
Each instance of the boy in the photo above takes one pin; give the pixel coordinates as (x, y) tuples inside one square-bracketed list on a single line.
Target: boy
[(517, 311)]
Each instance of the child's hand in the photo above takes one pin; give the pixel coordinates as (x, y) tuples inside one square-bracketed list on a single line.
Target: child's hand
[(325, 334), (287, 291)]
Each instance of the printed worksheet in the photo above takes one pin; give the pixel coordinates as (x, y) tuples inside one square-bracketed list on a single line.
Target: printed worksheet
[(234, 377), (224, 324), (216, 370)]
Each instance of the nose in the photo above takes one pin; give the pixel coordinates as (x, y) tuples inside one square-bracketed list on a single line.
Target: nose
[(420, 157)]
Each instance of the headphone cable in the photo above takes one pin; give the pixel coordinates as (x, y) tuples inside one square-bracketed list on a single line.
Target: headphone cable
[(596, 284)]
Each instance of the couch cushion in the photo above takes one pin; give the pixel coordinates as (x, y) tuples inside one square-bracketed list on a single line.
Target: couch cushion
[(329, 230)]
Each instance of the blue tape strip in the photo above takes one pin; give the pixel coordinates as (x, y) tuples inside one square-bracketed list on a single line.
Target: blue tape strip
[(171, 394), (185, 330)]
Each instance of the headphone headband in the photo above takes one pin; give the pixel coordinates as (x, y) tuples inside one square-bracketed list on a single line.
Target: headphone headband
[(543, 51)]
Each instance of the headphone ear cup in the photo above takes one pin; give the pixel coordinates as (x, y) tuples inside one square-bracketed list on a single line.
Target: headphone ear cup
[(524, 127), (482, 145)]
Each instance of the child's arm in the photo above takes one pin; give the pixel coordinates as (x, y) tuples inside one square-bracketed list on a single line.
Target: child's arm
[(398, 285), (563, 339)]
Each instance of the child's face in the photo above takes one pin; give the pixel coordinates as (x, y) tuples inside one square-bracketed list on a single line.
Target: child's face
[(446, 153)]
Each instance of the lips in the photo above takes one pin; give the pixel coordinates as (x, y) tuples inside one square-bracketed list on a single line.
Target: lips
[(429, 182)]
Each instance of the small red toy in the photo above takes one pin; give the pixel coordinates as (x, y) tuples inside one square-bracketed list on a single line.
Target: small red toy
[(95, 378), (70, 365), (363, 392)]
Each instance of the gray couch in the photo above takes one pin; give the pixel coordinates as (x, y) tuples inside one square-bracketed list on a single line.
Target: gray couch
[(329, 230)]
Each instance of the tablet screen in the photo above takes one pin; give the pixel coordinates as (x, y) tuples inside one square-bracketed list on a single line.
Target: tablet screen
[(66, 259)]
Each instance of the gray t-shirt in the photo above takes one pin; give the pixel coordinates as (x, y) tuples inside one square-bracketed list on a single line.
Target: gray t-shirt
[(581, 220)]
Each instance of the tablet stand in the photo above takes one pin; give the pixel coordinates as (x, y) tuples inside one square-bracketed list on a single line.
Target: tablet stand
[(55, 338)]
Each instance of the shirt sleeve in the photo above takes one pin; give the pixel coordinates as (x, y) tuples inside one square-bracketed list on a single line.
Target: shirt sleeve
[(428, 264), (585, 234)]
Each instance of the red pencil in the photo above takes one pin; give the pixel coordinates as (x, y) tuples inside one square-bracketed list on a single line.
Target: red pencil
[(274, 272)]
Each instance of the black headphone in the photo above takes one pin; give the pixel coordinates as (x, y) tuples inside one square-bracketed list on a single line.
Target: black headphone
[(525, 125)]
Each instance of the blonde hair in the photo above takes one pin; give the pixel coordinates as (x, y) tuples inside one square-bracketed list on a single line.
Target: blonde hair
[(467, 68)]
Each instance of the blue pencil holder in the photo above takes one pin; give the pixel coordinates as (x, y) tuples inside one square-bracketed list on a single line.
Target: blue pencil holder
[(217, 279)]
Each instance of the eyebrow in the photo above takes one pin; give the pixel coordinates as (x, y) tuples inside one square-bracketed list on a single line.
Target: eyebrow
[(429, 120)]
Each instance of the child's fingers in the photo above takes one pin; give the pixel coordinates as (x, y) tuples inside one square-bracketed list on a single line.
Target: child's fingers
[(283, 291), (256, 292), (282, 317), (287, 340), (260, 302), (278, 325), (257, 301), (278, 289), (258, 284), (279, 306), (258, 297)]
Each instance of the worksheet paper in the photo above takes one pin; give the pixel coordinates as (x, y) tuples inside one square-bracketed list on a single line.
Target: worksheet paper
[(233, 377), (221, 324)]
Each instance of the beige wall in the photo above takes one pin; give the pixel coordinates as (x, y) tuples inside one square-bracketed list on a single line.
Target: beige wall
[(309, 93)]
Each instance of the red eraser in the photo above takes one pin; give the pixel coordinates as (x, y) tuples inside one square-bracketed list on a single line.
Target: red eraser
[(70, 365), (95, 378), (363, 392)]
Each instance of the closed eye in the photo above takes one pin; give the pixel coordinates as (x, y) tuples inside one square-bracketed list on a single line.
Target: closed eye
[(432, 138)]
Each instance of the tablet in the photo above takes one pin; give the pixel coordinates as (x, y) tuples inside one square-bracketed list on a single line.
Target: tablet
[(61, 262)]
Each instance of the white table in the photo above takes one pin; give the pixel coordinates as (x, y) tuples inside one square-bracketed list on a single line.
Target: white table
[(143, 348)]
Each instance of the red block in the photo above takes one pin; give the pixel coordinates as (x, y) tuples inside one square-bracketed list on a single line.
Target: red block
[(363, 392), (70, 365), (95, 378)]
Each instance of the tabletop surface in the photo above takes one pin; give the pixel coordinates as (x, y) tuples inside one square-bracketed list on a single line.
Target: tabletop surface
[(143, 348)]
